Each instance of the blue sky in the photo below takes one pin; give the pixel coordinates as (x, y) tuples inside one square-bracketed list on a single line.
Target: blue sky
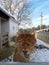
[(39, 6)]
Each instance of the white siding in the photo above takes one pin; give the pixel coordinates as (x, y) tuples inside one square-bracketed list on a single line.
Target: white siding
[(0, 26), (13, 27), (4, 27), (0, 35)]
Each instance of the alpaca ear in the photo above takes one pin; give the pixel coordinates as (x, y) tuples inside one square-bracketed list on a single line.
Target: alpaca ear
[(33, 35)]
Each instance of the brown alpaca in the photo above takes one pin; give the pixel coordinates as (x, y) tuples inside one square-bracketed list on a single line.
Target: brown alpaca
[(25, 43)]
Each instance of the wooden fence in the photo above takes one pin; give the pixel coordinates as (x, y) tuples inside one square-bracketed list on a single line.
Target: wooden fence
[(43, 36)]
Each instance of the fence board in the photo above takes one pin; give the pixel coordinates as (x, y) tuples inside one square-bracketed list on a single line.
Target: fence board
[(43, 36)]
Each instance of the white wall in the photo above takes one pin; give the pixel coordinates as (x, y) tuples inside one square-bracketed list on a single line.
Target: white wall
[(0, 26), (4, 27), (0, 36), (13, 27)]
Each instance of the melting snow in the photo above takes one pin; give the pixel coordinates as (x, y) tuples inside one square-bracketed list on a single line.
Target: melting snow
[(40, 55)]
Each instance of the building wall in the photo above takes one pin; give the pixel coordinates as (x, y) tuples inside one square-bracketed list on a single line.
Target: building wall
[(13, 27), (0, 30), (10, 27), (0, 36), (0, 26), (4, 27)]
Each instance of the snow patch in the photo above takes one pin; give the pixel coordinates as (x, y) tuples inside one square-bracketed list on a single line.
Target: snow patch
[(39, 42)]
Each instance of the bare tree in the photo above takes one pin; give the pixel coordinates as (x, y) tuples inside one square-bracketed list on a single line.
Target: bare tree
[(7, 4), (24, 12), (11, 5), (21, 7)]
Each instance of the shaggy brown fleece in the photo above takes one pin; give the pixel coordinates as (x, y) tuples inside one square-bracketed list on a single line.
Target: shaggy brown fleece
[(25, 43)]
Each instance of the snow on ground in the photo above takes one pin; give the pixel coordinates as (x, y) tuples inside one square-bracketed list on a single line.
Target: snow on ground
[(39, 55), (39, 42)]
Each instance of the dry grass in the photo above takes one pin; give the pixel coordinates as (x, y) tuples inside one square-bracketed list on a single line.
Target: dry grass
[(6, 52)]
